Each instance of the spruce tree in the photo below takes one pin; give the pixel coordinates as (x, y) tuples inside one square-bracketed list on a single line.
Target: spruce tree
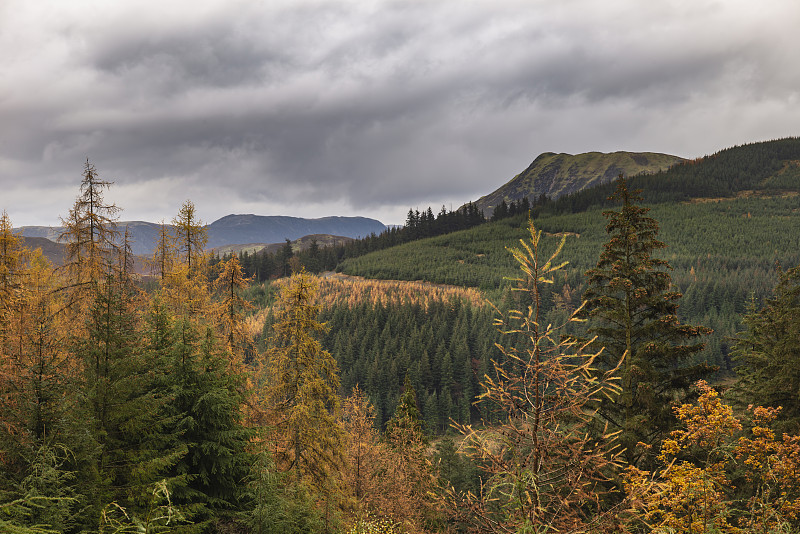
[(407, 419), (632, 310), (207, 410), (125, 405), (769, 352)]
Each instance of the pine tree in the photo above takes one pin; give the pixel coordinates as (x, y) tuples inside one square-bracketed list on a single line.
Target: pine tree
[(632, 308), (302, 389)]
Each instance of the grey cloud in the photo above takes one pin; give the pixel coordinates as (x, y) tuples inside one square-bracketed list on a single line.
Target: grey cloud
[(385, 104)]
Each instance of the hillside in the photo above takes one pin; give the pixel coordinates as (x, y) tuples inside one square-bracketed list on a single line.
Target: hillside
[(298, 245), (728, 220), (554, 175), (55, 252)]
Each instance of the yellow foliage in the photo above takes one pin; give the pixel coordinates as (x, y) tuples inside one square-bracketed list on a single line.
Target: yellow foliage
[(693, 491)]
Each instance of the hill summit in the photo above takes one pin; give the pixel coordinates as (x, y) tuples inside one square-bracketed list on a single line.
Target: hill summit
[(554, 175)]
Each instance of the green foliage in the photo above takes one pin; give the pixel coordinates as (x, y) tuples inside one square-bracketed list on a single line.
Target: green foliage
[(769, 352), (275, 508), (717, 282), (632, 312), (377, 344), (125, 410), (159, 515), (454, 469), (206, 415), (49, 486), (407, 419)]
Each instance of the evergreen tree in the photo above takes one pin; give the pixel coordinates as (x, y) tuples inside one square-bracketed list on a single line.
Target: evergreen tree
[(207, 410), (124, 405), (769, 352), (633, 311), (406, 423)]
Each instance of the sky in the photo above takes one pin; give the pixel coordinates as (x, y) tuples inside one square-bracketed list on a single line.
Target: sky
[(317, 108)]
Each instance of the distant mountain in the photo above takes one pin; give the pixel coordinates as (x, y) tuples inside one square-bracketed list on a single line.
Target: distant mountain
[(560, 174), (257, 230), (142, 234), (234, 229)]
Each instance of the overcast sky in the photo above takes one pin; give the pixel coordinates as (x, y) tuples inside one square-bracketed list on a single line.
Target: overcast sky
[(315, 108)]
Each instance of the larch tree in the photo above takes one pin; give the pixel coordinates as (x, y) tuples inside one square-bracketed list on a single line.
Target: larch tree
[(12, 327), (543, 471), (363, 450), (302, 389), (632, 307), (164, 255), (230, 310), (90, 232), (12, 256), (191, 236), (186, 285)]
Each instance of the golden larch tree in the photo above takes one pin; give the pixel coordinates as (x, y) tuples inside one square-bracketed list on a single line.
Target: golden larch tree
[(302, 389)]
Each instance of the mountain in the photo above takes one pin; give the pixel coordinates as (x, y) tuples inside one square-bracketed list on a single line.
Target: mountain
[(258, 230), (142, 234), (233, 229), (55, 252), (555, 175)]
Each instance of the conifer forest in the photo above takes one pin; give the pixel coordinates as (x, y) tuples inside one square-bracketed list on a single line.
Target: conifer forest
[(621, 359)]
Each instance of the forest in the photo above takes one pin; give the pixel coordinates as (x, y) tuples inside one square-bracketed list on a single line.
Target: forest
[(555, 373)]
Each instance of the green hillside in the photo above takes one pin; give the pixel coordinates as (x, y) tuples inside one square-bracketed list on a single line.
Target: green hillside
[(554, 175), (723, 253)]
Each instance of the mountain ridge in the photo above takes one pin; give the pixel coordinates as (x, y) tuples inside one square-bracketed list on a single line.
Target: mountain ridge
[(556, 174), (237, 229)]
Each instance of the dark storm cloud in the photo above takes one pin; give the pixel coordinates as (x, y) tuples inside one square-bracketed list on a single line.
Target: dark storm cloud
[(317, 108)]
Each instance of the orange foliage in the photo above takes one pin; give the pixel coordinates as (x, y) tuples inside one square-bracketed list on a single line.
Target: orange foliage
[(694, 491)]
